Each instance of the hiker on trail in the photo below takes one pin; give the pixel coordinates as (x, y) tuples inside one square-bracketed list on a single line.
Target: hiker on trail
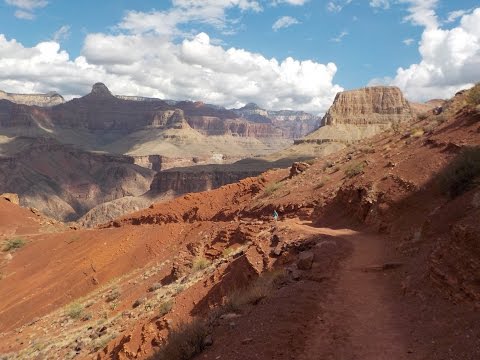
[(275, 215)]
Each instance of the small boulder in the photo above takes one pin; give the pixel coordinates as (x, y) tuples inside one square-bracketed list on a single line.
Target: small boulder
[(13, 198), (305, 260), (298, 168)]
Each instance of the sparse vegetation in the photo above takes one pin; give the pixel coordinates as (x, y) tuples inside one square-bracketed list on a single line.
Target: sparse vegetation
[(75, 310), (460, 175), (270, 189), (165, 307), (473, 97), (200, 263), (422, 116), (440, 119), (320, 184), (113, 295), (227, 252), (417, 132), (396, 127), (354, 170), (184, 342), (154, 287), (14, 244), (257, 291)]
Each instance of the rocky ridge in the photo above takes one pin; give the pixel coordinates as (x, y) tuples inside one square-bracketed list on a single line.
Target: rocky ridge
[(43, 100)]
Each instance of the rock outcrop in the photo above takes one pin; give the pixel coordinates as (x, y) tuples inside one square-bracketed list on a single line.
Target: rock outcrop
[(371, 105), (362, 113), (44, 100), (197, 179)]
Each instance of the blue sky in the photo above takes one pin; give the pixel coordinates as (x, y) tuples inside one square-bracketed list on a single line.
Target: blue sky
[(316, 49)]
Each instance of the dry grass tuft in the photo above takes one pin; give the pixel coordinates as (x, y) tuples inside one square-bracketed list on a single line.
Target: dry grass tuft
[(200, 263), (184, 342), (14, 244), (461, 174)]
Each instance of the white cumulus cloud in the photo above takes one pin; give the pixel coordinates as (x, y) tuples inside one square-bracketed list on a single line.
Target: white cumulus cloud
[(151, 65), (284, 22), (450, 60)]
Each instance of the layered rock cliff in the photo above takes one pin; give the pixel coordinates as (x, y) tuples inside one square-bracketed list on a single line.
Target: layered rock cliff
[(371, 105), (64, 182), (101, 111), (45, 100), (197, 179), (362, 113)]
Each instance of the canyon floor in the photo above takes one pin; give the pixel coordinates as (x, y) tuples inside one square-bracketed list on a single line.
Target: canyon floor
[(375, 256)]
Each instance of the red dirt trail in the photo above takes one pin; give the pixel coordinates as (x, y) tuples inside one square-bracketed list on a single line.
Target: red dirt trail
[(359, 313)]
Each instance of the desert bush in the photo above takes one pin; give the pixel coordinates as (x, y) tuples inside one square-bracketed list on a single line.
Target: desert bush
[(75, 310), (417, 132), (460, 175), (440, 119), (184, 342), (270, 189), (200, 263), (113, 295), (155, 287), (13, 244), (165, 307), (422, 116), (256, 292), (228, 251), (320, 184), (473, 96), (354, 170)]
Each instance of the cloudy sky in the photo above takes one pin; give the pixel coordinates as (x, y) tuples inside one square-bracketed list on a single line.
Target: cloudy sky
[(281, 54)]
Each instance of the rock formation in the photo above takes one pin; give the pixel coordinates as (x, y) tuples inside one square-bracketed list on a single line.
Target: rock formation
[(64, 182), (45, 100), (371, 105), (292, 124), (197, 179), (361, 113)]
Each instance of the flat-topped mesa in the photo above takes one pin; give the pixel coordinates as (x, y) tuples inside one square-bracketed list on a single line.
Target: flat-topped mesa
[(49, 99), (370, 105)]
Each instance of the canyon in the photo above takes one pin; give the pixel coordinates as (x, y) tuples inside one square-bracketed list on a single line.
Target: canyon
[(182, 146), (374, 254)]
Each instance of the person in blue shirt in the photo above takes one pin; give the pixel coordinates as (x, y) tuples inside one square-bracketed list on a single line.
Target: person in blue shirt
[(275, 215)]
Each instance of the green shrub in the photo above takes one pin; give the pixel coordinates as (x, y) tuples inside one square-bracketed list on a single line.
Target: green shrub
[(184, 342), (460, 175), (75, 310), (14, 244), (354, 170), (200, 263)]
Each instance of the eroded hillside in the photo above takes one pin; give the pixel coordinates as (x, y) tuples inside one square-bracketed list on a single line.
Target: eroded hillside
[(374, 254)]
